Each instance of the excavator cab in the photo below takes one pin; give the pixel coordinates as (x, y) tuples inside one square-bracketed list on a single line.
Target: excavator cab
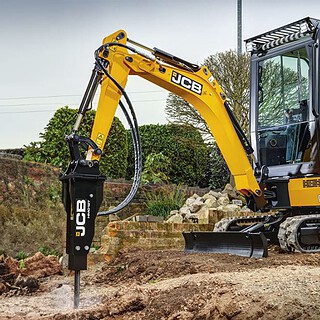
[(284, 105), (284, 108)]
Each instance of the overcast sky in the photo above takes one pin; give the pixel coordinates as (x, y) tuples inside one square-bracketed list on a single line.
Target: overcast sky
[(47, 48)]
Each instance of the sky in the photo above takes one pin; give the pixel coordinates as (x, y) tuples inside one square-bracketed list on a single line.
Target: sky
[(47, 47)]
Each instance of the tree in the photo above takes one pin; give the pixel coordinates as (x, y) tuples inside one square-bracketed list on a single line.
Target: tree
[(231, 70), (54, 150), (156, 168), (179, 111), (218, 174)]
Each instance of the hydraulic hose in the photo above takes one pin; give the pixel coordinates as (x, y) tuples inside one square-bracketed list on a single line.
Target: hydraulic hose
[(137, 164)]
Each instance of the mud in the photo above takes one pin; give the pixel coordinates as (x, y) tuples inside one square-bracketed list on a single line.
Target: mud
[(173, 285)]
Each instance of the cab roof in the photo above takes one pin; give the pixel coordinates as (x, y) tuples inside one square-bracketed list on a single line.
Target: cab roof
[(288, 33)]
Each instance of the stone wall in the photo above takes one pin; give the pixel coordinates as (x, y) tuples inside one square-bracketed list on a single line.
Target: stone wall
[(204, 212), (12, 153), (120, 235), (115, 191), (29, 184)]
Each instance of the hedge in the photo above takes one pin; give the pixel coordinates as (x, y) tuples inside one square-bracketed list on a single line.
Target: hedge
[(54, 150)]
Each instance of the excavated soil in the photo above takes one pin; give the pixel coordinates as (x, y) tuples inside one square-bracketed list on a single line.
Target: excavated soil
[(173, 285)]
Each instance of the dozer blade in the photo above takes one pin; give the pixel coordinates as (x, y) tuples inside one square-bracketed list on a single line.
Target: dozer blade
[(233, 242)]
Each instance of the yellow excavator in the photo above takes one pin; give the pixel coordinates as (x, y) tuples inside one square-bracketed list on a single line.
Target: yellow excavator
[(278, 172)]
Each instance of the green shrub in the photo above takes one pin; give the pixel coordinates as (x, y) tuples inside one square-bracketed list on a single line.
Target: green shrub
[(21, 255), (48, 251), (22, 264), (218, 172), (163, 200)]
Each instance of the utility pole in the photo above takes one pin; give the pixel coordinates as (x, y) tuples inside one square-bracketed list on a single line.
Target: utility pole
[(239, 28)]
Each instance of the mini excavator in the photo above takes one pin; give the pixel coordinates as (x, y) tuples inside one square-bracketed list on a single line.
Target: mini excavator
[(278, 172)]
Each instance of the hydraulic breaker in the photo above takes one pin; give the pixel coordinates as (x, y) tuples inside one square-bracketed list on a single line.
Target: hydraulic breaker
[(82, 193)]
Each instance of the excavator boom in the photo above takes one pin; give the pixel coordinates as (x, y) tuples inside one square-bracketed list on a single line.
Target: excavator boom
[(193, 83)]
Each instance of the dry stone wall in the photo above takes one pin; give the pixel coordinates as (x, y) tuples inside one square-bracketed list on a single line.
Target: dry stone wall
[(145, 235), (199, 213), (116, 190)]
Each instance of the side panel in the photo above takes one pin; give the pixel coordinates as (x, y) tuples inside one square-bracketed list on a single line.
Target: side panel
[(304, 192)]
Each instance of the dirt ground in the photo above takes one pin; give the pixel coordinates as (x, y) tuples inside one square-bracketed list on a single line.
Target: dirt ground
[(173, 285)]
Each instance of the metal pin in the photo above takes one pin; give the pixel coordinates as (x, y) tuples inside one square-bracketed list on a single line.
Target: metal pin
[(76, 299)]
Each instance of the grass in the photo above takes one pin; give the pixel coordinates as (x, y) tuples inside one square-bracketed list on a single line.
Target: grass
[(31, 212), (25, 230), (162, 201)]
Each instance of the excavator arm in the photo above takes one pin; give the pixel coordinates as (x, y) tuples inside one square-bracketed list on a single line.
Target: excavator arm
[(115, 60), (194, 84)]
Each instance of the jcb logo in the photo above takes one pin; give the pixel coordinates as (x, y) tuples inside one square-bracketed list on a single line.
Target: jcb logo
[(81, 208), (186, 82)]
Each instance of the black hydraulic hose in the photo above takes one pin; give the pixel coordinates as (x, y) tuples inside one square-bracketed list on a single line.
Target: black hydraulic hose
[(137, 164), (136, 143)]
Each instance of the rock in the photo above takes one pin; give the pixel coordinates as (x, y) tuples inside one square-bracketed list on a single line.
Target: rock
[(203, 215), (223, 200), (185, 210), (41, 266), (230, 191), (3, 288), (211, 202), (14, 280), (222, 225), (196, 205), (3, 268), (192, 217), (232, 207), (31, 284), (208, 196), (192, 199), (196, 208), (12, 264), (173, 213), (215, 194), (176, 218), (63, 261)]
